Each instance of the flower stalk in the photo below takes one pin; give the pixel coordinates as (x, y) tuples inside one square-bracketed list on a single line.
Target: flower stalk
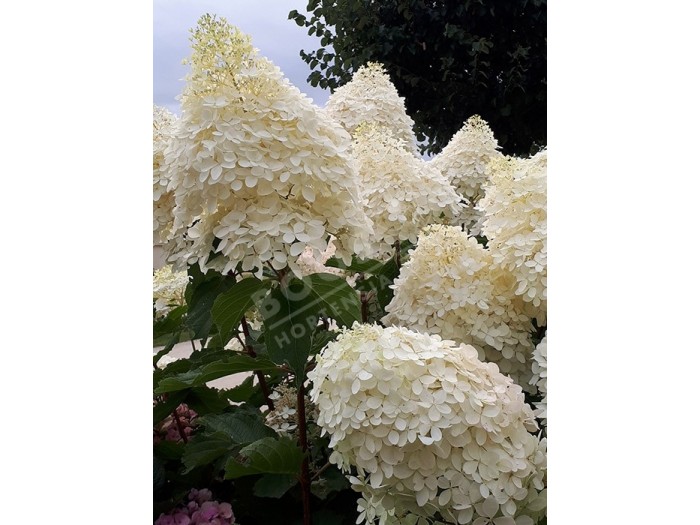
[(261, 377), (304, 478)]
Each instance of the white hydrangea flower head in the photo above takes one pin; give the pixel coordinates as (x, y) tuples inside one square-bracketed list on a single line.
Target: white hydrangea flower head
[(401, 193), (450, 286), (371, 97), (465, 162), (428, 428), (514, 212), (539, 378), (168, 289), (163, 200), (258, 172)]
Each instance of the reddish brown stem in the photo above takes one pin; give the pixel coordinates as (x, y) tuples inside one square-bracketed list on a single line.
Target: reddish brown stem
[(305, 478), (365, 307), (258, 373)]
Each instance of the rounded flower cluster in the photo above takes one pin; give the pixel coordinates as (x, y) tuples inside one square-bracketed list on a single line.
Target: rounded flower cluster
[(171, 430), (401, 193), (283, 419), (163, 200), (371, 97), (539, 378), (258, 172), (465, 162), (427, 427), (514, 212), (451, 287), (168, 289), (199, 510)]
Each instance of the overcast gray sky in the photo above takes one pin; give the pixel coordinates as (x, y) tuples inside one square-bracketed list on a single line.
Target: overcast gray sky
[(266, 21)]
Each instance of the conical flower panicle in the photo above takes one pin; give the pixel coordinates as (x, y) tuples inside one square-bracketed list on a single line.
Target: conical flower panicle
[(163, 200), (371, 97), (258, 172), (514, 211), (465, 163), (401, 193)]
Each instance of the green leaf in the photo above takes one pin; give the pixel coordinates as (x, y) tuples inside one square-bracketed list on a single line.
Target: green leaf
[(205, 400), (169, 324), (266, 456), (274, 485), (320, 339), (159, 478), (203, 450), (332, 480), (241, 428), (229, 307), (327, 517), (290, 317), (334, 298), (200, 375), (168, 347), (168, 450), (165, 408), (242, 392), (205, 288)]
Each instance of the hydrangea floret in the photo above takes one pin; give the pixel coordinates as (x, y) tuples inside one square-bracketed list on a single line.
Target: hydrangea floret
[(401, 193), (283, 419), (163, 200), (450, 286), (427, 429), (258, 172), (200, 510), (168, 289), (465, 163), (514, 211), (371, 97)]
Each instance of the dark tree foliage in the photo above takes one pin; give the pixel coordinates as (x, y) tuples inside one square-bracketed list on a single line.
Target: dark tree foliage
[(451, 59)]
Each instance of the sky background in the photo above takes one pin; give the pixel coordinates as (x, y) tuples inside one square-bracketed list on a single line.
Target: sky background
[(277, 38)]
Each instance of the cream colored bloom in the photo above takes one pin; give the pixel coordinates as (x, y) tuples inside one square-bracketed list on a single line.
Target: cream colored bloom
[(428, 429), (371, 97), (539, 378), (401, 193), (258, 172), (450, 286), (168, 289), (465, 162), (514, 212), (163, 200)]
